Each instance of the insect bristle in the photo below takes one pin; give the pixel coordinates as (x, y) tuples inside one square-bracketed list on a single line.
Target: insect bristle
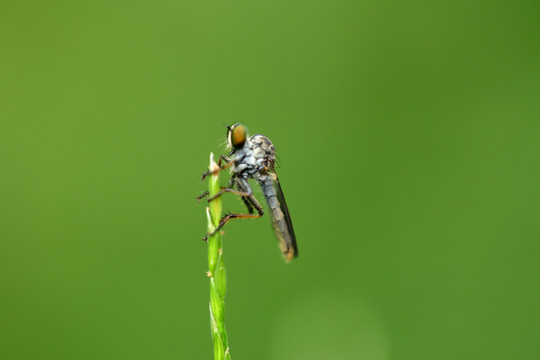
[(277, 162), (224, 143)]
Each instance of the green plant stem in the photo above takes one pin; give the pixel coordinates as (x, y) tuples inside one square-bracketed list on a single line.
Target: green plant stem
[(216, 269)]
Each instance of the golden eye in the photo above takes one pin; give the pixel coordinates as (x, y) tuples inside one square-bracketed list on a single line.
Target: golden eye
[(237, 136)]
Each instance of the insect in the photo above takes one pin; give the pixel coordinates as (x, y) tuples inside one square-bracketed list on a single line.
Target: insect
[(254, 158)]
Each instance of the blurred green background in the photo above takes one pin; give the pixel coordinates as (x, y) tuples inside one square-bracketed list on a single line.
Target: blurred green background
[(408, 136)]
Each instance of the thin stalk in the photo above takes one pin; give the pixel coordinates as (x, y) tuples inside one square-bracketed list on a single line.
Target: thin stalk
[(216, 269)]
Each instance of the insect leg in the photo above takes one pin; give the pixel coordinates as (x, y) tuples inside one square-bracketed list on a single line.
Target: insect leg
[(234, 182), (228, 163), (244, 190), (204, 194), (228, 217), (248, 204), (248, 197), (243, 185)]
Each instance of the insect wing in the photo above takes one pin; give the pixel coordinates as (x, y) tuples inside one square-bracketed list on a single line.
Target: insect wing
[(283, 227)]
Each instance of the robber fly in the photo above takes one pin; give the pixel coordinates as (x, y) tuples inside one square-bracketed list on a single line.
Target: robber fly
[(254, 158)]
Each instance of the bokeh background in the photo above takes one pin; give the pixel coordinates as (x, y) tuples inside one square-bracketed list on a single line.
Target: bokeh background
[(408, 136)]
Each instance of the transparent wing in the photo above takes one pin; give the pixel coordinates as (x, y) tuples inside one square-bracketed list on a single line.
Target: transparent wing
[(283, 206), (281, 219)]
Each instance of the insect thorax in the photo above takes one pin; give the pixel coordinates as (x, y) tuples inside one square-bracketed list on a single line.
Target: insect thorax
[(255, 159)]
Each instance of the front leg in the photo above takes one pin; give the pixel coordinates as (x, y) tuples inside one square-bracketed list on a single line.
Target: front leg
[(228, 163)]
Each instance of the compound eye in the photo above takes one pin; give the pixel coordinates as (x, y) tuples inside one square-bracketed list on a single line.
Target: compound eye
[(237, 136)]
